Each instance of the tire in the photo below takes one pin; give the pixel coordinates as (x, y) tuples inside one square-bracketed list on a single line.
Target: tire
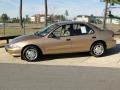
[(30, 54), (97, 50)]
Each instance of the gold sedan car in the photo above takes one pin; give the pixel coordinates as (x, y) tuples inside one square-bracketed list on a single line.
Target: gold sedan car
[(63, 37)]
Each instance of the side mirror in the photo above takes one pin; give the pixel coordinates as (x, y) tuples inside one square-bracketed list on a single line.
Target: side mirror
[(36, 32)]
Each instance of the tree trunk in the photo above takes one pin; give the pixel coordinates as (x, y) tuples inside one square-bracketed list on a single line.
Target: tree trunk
[(46, 13), (111, 20), (105, 14), (21, 23)]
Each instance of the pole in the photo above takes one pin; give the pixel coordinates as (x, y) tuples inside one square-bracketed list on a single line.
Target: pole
[(21, 22), (105, 14), (46, 12), (4, 28), (24, 28)]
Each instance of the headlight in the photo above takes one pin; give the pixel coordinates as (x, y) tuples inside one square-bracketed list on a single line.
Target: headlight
[(14, 46)]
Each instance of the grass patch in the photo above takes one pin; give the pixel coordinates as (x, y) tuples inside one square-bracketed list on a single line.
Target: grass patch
[(14, 29), (17, 31), (2, 43)]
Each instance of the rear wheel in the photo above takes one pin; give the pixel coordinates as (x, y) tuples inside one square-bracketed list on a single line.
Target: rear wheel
[(97, 49), (31, 53)]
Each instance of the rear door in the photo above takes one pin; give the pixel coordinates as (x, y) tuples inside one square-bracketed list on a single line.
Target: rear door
[(82, 38)]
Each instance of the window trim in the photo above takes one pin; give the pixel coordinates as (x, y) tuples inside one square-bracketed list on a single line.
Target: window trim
[(86, 25), (89, 28), (56, 29)]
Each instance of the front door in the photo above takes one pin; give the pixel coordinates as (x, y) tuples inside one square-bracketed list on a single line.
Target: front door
[(59, 41)]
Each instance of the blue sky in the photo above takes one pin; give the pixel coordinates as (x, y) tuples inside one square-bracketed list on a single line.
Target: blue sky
[(74, 7)]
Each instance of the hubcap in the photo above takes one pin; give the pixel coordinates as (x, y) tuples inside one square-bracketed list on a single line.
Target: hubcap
[(98, 50), (31, 54)]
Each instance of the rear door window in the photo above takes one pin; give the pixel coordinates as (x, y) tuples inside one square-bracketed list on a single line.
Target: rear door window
[(86, 29)]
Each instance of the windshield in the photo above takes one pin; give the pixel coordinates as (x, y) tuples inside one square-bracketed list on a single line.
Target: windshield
[(46, 30)]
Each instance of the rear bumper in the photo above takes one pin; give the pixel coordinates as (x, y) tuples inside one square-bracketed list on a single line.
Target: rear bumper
[(111, 44), (13, 51)]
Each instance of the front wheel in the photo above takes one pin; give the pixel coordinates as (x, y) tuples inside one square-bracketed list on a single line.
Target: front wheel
[(97, 49), (30, 54)]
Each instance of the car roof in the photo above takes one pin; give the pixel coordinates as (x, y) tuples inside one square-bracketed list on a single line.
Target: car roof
[(70, 22), (77, 22)]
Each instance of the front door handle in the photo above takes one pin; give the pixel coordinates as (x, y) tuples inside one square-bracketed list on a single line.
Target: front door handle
[(93, 37), (68, 39)]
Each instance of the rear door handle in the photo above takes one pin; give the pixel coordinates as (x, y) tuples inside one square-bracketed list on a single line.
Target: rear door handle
[(93, 37), (68, 39)]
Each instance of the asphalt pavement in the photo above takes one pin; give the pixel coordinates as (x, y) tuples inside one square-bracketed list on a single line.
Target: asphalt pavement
[(41, 77)]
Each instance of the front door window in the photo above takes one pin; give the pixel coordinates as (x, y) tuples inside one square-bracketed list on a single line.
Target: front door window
[(62, 31)]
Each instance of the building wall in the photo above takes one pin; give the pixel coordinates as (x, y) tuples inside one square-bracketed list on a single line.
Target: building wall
[(42, 19), (87, 19), (108, 21), (32, 19), (38, 18), (82, 19)]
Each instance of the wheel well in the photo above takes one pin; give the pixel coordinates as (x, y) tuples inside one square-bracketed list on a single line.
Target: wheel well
[(99, 41), (33, 46)]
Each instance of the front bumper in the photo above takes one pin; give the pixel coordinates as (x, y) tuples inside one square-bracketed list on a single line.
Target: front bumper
[(13, 51)]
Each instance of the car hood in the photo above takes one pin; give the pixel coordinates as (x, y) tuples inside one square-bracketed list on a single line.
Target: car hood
[(24, 38)]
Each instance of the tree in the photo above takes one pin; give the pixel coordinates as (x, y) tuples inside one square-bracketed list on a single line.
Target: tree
[(92, 19), (15, 20), (66, 13), (21, 21), (27, 19), (110, 16), (111, 2), (62, 18), (56, 18), (4, 19), (59, 18)]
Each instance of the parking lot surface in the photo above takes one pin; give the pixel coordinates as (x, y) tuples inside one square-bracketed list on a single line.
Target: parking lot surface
[(110, 59), (44, 77)]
